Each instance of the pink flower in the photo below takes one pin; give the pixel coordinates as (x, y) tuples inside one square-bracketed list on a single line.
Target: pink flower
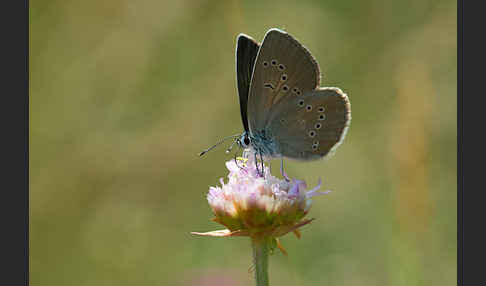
[(252, 205)]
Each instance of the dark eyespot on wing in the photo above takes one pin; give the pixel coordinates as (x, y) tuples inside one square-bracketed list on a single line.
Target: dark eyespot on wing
[(269, 85)]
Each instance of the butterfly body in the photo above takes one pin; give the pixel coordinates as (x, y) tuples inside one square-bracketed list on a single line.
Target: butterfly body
[(285, 113), (263, 142)]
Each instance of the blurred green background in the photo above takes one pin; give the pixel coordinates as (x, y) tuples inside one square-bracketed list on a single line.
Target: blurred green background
[(124, 94)]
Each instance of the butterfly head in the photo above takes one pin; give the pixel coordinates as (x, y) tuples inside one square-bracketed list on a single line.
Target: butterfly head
[(244, 140)]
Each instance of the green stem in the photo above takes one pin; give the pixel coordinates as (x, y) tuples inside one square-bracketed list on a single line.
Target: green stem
[(261, 248)]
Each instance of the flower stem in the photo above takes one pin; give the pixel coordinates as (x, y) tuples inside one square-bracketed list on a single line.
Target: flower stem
[(261, 248)]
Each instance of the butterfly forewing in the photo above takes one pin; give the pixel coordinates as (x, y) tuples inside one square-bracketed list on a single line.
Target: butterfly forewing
[(311, 126), (246, 52), (283, 69)]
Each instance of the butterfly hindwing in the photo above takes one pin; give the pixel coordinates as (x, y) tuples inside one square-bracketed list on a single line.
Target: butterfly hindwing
[(311, 126), (283, 68), (246, 52)]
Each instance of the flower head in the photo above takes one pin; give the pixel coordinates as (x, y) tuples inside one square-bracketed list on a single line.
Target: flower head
[(249, 204)]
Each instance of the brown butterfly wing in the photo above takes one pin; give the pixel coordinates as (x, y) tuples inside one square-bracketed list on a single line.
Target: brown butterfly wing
[(246, 52), (283, 68), (311, 126)]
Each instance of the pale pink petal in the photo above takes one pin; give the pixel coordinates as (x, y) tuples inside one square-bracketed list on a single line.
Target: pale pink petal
[(222, 233), (315, 192)]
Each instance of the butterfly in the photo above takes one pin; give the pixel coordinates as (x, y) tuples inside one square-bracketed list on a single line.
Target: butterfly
[(284, 111)]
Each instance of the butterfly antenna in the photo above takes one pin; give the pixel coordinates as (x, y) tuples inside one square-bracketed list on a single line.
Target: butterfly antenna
[(220, 141), (231, 146)]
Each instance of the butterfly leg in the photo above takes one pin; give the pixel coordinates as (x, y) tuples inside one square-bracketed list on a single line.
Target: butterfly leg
[(282, 172), (236, 162), (263, 165), (256, 164)]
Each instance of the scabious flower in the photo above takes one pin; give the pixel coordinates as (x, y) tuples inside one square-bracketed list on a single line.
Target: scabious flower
[(259, 206)]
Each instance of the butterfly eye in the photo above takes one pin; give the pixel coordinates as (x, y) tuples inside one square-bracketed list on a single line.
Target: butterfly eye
[(285, 88), (281, 67), (315, 146), (312, 134), (322, 117), (246, 141), (321, 109), (265, 64), (274, 62), (308, 108), (298, 92), (301, 102), (284, 77), (318, 126)]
